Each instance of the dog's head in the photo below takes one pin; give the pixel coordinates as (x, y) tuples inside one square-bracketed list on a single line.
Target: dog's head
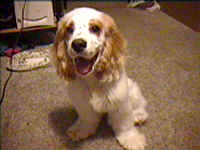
[(88, 42)]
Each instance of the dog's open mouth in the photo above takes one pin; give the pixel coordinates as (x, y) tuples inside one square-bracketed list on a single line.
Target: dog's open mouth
[(85, 66)]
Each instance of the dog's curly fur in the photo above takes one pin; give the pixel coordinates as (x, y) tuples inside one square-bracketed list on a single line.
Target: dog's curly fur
[(97, 80)]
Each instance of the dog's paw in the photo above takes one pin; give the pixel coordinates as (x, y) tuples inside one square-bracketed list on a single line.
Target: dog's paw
[(81, 130), (140, 117), (132, 140)]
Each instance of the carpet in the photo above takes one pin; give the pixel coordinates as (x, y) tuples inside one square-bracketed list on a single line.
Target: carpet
[(164, 58)]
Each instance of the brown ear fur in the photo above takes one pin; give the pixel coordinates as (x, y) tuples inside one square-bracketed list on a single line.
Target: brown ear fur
[(62, 61), (112, 62)]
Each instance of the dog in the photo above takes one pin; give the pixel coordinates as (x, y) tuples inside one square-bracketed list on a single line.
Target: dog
[(89, 54)]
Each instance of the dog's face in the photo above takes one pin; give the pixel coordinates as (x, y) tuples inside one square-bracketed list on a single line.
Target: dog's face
[(87, 42), (85, 39)]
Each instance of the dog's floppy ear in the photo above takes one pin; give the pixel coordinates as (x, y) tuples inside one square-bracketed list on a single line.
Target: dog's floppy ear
[(112, 62), (62, 61)]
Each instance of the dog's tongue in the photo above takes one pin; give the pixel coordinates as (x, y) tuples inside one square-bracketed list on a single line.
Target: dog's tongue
[(83, 66)]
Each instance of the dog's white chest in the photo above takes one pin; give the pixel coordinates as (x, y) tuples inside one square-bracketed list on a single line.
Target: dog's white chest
[(82, 92), (102, 98)]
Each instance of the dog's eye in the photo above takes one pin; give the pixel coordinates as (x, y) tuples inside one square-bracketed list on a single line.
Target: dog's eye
[(95, 29), (70, 30)]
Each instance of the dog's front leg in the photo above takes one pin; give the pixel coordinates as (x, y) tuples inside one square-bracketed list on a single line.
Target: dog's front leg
[(126, 133), (86, 124), (88, 119)]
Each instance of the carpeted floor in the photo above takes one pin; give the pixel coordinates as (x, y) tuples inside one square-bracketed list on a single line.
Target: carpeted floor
[(164, 58)]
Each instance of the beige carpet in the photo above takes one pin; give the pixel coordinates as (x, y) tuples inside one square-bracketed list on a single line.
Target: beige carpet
[(164, 58)]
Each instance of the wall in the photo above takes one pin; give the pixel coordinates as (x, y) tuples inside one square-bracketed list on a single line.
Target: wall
[(185, 12)]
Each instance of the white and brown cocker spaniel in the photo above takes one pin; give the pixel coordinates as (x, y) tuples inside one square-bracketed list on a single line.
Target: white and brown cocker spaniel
[(89, 53)]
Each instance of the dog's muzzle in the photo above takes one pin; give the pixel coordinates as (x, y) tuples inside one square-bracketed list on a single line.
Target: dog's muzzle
[(85, 66)]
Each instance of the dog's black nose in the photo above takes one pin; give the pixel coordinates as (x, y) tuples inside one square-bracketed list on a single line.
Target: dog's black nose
[(79, 45)]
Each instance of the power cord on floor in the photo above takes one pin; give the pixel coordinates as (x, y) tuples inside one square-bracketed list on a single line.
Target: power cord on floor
[(11, 58), (6, 83)]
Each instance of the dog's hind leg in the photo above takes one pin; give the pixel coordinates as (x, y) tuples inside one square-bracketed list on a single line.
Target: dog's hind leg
[(126, 133), (138, 102)]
